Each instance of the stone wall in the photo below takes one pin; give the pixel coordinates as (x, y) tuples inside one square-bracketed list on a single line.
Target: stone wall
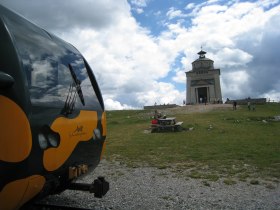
[(161, 106), (246, 100)]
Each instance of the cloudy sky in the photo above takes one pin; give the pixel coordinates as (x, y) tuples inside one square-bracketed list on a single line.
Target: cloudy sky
[(140, 50)]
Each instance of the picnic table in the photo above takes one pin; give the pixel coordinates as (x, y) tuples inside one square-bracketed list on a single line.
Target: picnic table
[(166, 124)]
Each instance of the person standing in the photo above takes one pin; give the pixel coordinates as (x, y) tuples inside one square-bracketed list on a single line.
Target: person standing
[(249, 105), (234, 105)]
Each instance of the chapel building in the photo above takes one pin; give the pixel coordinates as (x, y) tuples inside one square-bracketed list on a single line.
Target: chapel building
[(203, 81)]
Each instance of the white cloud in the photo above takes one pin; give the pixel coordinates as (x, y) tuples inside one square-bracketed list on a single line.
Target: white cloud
[(235, 84), (116, 105), (161, 93), (174, 13), (139, 10), (267, 3), (139, 3), (65, 15), (212, 1), (128, 60), (272, 96), (228, 57), (221, 31), (190, 6), (180, 77)]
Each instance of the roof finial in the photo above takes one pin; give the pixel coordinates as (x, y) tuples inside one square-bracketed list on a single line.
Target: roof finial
[(201, 53)]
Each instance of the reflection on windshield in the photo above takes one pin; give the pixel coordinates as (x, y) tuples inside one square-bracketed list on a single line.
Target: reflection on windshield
[(53, 68), (77, 85), (70, 102), (49, 82)]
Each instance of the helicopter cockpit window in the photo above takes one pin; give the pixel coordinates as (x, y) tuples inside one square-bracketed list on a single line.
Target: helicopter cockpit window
[(46, 62), (57, 84), (86, 94), (48, 82)]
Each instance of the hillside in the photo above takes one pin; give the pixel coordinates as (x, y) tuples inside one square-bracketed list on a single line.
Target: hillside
[(222, 142)]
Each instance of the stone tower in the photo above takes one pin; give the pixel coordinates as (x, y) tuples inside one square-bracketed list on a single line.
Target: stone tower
[(203, 81)]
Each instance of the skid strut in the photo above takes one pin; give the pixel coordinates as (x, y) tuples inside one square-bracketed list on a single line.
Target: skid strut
[(99, 187)]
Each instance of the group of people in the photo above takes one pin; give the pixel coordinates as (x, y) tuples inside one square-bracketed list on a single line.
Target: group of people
[(157, 116), (249, 105)]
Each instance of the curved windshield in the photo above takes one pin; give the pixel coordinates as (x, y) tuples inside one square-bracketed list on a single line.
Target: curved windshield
[(60, 84), (56, 72)]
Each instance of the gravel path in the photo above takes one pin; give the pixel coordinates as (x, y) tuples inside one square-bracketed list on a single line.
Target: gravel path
[(151, 188)]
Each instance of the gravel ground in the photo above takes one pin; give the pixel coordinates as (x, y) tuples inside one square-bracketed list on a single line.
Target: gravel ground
[(152, 188)]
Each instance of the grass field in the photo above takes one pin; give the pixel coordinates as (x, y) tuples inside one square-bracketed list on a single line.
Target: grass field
[(224, 143)]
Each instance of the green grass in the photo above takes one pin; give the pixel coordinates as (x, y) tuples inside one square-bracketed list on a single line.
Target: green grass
[(223, 143)]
